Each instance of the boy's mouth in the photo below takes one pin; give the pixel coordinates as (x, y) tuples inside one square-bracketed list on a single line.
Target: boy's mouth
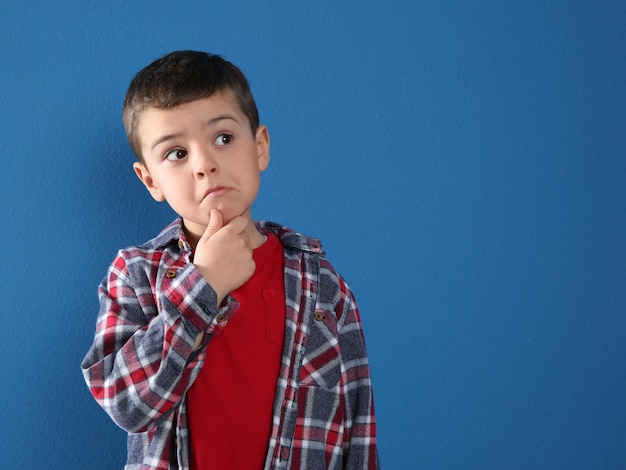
[(216, 191)]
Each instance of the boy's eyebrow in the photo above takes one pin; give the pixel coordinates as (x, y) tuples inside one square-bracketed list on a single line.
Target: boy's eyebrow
[(221, 117), (210, 122), (164, 138)]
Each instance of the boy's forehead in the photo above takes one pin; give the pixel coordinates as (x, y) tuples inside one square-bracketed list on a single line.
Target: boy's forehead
[(214, 104)]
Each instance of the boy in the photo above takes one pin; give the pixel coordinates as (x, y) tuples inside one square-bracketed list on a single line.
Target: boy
[(224, 343)]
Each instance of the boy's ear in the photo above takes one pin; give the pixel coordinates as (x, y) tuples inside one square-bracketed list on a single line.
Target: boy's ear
[(144, 176), (263, 147)]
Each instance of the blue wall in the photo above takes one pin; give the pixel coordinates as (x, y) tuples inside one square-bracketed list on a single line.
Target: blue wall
[(464, 163)]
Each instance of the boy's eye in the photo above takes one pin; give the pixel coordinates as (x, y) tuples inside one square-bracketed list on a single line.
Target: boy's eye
[(223, 139), (176, 154)]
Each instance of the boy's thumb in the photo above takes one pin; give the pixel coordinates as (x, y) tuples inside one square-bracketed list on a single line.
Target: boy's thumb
[(215, 223)]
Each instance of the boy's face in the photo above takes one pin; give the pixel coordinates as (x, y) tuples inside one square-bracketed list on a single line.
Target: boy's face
[(200, 156)]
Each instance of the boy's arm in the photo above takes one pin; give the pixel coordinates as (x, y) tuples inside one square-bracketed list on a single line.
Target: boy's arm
[(142, 359), (356, 381)]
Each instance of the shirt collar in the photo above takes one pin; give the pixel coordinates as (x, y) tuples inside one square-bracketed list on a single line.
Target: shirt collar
[(288, 237), (173, 233)]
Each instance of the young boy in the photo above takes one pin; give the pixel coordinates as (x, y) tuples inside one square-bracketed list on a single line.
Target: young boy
[(224, 343)]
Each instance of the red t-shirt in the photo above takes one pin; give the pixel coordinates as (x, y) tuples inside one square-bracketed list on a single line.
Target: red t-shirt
[(230, 403)]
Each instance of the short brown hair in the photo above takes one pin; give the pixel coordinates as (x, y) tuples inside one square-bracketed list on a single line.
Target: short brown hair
[(181, 77)]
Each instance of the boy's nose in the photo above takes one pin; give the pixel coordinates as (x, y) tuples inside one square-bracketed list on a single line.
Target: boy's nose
[(204, 165)]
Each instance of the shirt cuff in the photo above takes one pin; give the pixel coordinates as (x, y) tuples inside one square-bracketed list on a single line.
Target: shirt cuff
[(187, 291)]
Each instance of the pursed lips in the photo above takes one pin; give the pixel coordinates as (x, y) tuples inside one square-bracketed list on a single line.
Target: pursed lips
[(216, 191)]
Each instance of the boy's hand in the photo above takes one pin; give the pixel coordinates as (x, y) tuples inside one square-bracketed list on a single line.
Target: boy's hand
[(224, 255)]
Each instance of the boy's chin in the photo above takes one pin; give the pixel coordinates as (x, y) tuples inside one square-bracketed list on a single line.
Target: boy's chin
[(227, 215)]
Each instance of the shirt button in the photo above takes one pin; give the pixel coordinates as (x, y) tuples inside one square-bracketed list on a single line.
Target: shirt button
[(170, 273), (319, 315), (220, 318), (181, 245)]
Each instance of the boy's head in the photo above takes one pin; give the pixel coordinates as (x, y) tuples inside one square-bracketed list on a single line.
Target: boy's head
[(193, 124), (181, 77)]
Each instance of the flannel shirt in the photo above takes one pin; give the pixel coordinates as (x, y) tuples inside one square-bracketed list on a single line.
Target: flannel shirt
[(153, 305)]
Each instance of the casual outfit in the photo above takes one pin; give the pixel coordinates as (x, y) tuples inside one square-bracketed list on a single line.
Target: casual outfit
[(142, 368)]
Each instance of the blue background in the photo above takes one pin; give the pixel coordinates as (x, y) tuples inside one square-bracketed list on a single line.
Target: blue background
[(463, 163)]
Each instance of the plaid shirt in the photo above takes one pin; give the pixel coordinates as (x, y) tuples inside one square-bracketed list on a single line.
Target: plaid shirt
[(153, 305)]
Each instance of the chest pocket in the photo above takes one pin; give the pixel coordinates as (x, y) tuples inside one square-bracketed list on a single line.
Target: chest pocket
[(321, 365)]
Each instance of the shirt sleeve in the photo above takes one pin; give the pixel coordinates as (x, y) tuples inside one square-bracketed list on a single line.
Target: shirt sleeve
[(361, 451), (142, 361)]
